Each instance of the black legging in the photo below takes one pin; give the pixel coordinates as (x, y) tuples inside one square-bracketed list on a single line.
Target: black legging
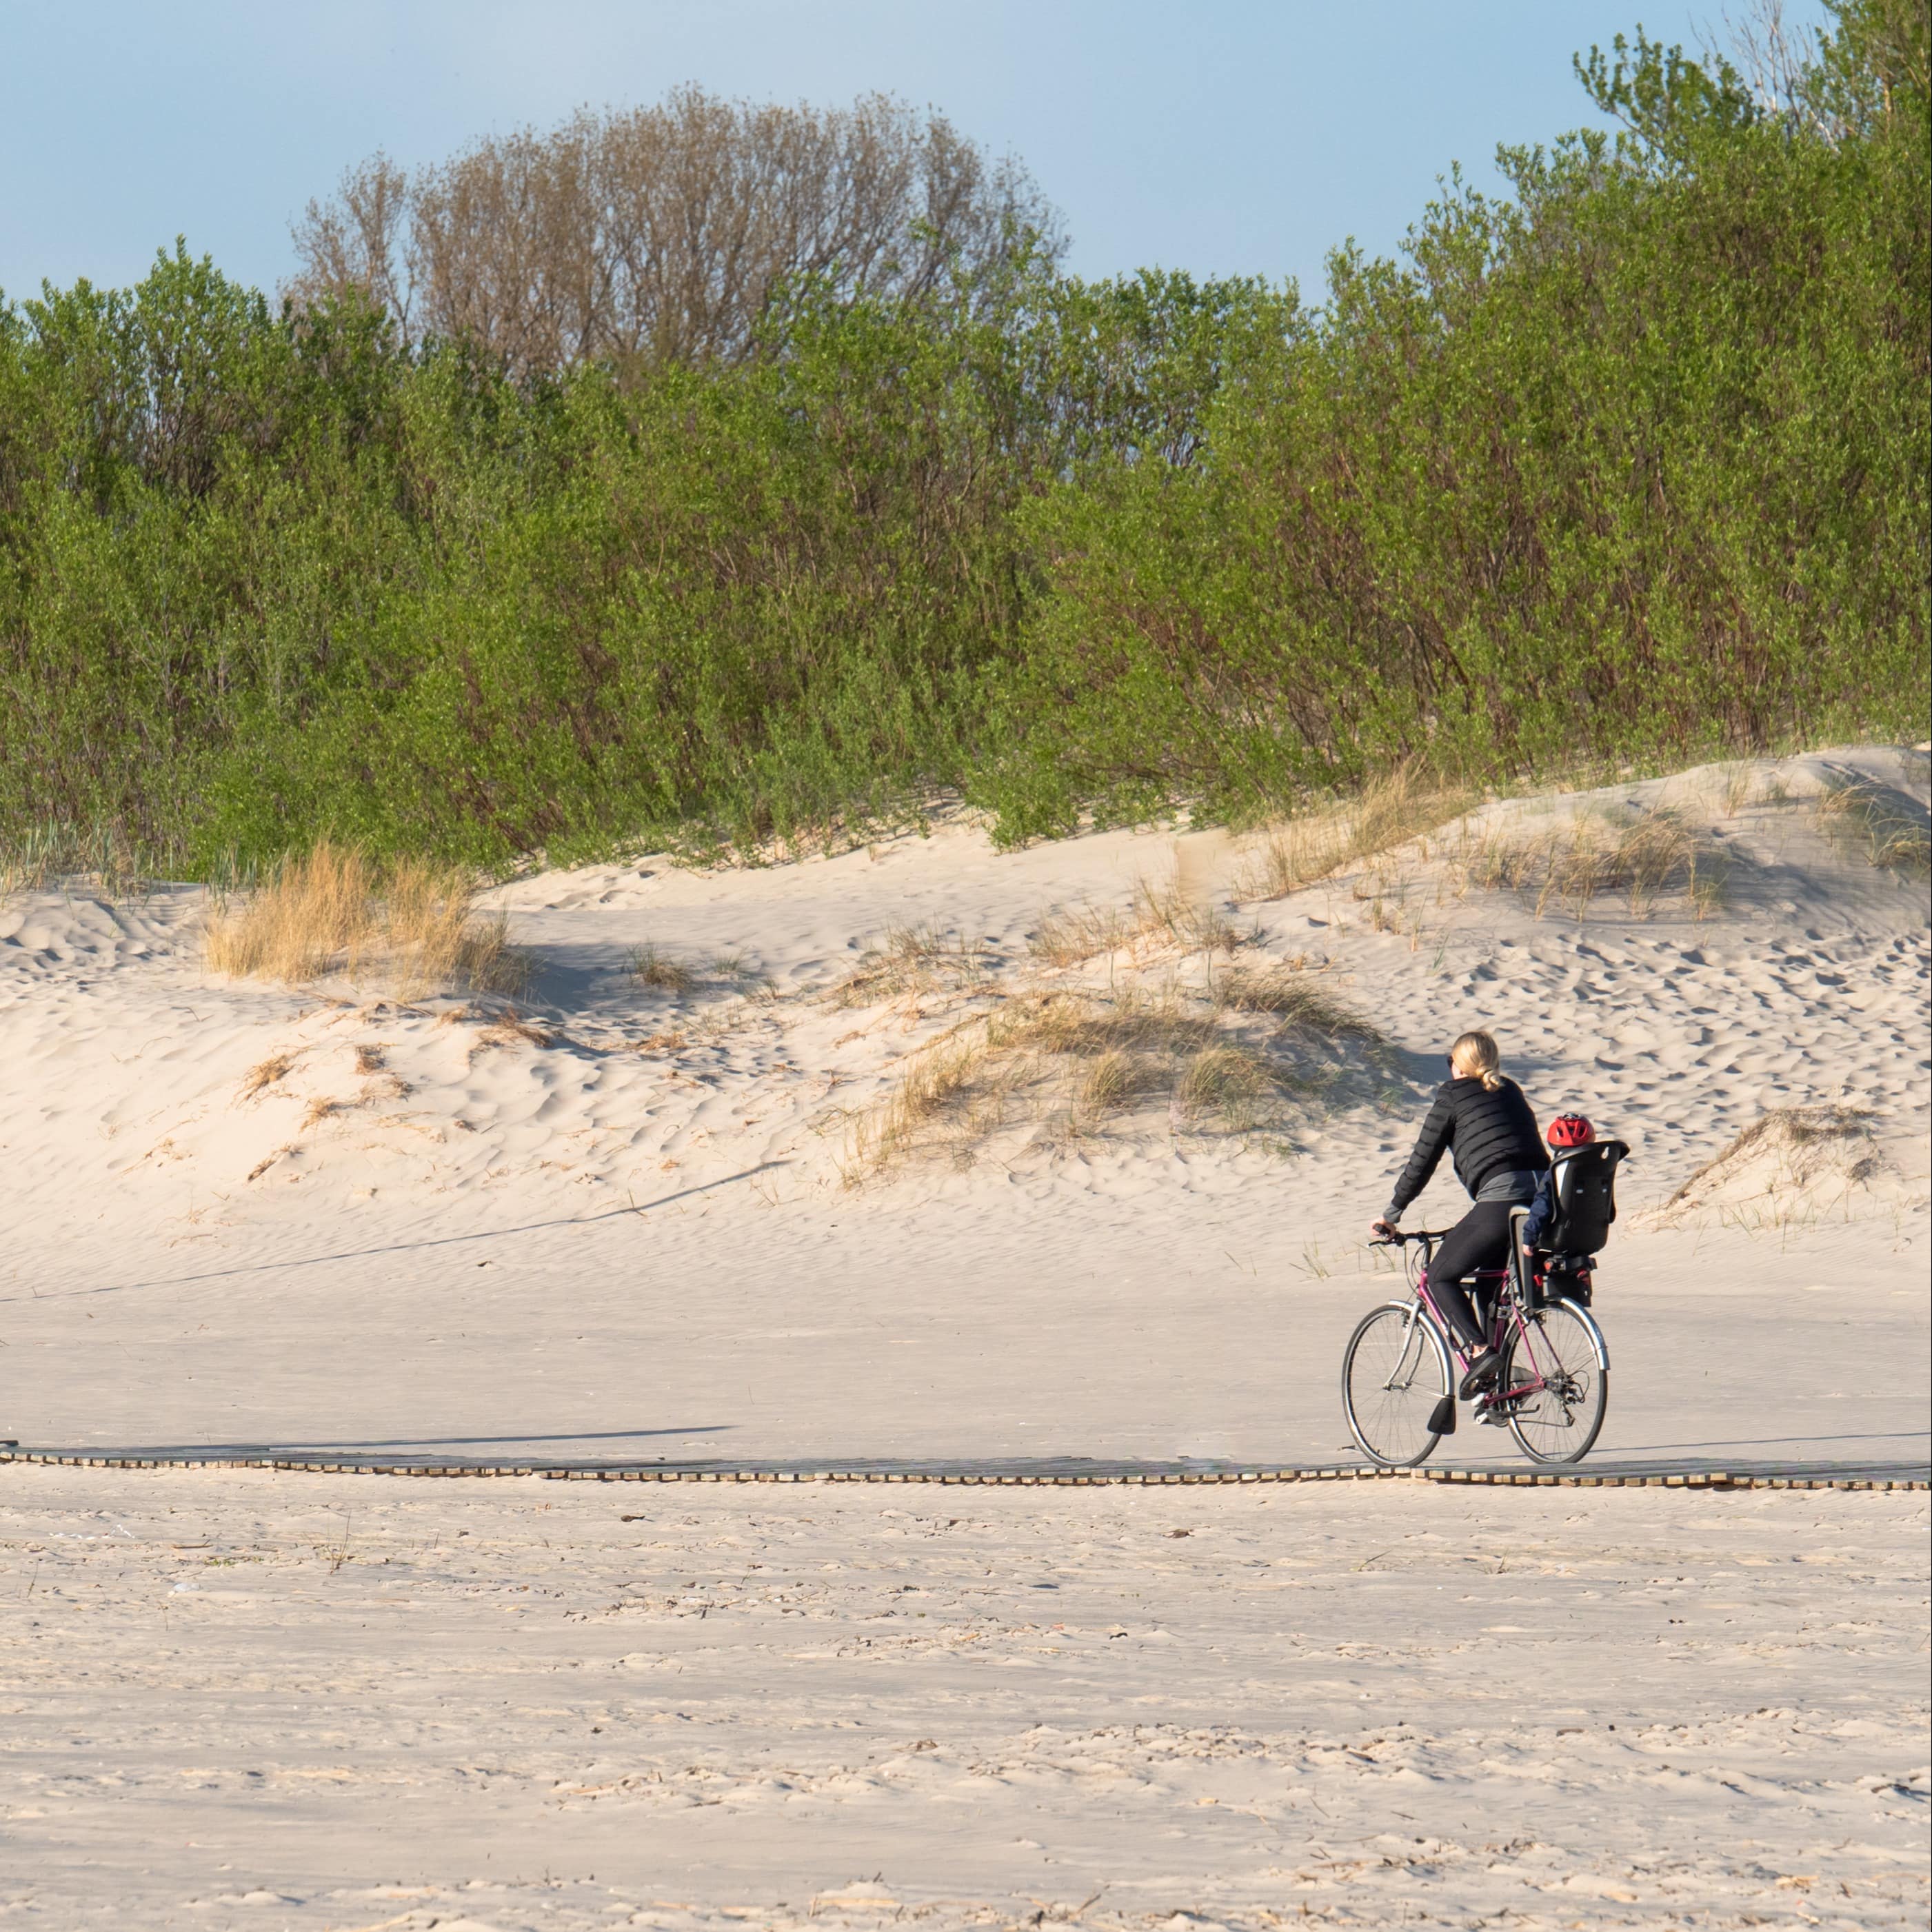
[(1481, 1240)]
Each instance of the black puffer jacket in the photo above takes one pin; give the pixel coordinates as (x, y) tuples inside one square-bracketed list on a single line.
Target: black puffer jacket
[(1488, 1133)]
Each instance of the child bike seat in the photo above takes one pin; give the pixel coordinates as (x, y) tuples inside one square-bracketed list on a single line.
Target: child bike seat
[(1585, 1179)]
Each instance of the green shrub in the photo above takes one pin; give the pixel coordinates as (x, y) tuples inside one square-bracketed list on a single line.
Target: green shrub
[(1631, 466)]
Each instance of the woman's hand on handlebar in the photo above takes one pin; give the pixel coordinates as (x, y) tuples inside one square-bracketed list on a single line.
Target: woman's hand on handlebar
[(1383, 1230)]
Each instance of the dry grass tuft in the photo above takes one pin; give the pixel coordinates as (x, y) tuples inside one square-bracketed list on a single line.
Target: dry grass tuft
[(1737, 782), (1069, 1060), (1066, 937), (334, 910), (1295, 998), (938, 1080), (909, 961), (1303, 852), (1569, 865), (655, 968), (1084, 1025), (1230, 1082), (1408, 803), (1114, 1081), (1156, 915), (265, 1074), (435, 935), (313, 913), (1384, 891), (370, 1060), (937, 1084), (510, 1025), (320, 1110), (1889, 830), (1193, 927), (1389, 812)]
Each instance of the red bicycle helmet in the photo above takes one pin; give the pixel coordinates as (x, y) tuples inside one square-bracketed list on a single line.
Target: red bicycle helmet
[(1570, 1130)]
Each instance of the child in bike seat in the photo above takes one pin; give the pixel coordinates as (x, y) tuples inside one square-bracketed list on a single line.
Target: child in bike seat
[(1482, 1120), (1567, 1130)]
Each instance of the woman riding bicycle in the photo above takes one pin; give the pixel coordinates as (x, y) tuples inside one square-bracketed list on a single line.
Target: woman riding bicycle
[(1486, 1122)]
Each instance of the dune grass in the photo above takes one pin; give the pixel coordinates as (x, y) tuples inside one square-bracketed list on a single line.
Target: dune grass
[(1070, 936), (265, 1074), (1232, 1083), (1294, 997), (99, 854), (410, 923), (1784, 1129), (1156, 918), (663, 972), (936, 1088), (507, 1028), (1086, 1025), (1390, 812), (1888, 831), (1567, 865), (909, 961), (1064, 1063), (1791, 1150), (1114, 1081), (1385, 839)]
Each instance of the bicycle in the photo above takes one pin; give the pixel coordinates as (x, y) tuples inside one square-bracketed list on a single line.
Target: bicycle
[(1401, 1367)]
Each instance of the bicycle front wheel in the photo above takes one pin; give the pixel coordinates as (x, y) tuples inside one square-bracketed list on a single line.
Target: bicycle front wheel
[(1556, 1358), (1395, 1384)]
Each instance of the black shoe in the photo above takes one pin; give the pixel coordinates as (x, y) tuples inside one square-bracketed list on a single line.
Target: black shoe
[(1482, 1373)]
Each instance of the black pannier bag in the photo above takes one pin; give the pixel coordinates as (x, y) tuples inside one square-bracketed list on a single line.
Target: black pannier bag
[(1584, 1181)]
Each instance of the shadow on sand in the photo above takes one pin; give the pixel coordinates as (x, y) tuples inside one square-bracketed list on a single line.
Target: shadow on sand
[(408, 1247)]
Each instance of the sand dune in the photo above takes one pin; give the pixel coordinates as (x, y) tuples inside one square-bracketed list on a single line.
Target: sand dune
[(147, 1100)]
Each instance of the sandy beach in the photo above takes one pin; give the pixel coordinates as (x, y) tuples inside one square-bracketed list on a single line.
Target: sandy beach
[(282, 1701), (699, 1219)]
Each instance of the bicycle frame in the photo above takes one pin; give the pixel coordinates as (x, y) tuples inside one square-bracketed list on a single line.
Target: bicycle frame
[(1509, 1320), (1407, 1363)]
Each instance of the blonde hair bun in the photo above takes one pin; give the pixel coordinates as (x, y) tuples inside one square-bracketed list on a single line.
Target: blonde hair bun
[(1475, 1056)]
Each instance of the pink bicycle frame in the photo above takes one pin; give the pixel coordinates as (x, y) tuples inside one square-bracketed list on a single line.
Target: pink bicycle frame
[(1505, 1311)]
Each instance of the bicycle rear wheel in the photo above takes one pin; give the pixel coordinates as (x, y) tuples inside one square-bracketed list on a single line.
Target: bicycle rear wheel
[(1556, 1357), (1395, 1380)]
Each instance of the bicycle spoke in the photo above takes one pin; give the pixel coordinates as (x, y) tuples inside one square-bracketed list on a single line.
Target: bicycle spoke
[(1392, 1379), (1553, 1359)]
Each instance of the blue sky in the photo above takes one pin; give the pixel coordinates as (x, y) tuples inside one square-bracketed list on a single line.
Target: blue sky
[(1218, 136)]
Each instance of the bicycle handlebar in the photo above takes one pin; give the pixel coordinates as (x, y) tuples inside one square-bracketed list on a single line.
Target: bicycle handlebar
[(1400, 1237)]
